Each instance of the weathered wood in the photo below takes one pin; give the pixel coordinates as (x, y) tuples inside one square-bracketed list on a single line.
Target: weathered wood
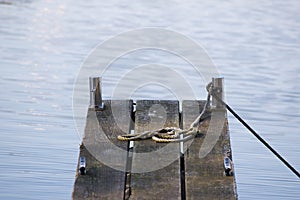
[(152, 174), (102, 181), (204, 176), (163, 183)]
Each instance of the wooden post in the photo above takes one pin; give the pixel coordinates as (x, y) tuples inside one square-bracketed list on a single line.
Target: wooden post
[(218, 89), (95, 93)]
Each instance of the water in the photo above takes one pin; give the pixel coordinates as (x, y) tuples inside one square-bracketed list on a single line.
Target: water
[(254, 44)]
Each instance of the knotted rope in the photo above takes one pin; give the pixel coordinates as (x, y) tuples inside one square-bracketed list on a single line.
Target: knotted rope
[(172, 134)]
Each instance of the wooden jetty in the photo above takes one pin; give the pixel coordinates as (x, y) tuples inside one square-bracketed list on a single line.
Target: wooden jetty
[(190, 175)]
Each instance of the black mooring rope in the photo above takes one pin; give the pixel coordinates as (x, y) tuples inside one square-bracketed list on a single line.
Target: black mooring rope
[(258, 137)]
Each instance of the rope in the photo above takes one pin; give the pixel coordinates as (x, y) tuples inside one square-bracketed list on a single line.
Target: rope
[(172, 134), (257, 135)]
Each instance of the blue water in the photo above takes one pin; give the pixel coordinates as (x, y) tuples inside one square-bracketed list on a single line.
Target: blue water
[(254, 44)]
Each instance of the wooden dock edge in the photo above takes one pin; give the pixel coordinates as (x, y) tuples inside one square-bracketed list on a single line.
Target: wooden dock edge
[(102, 181)]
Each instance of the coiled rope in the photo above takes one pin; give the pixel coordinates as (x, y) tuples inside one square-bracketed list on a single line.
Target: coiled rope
[(172, 134)]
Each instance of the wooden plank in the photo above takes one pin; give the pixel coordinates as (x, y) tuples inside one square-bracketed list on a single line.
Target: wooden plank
[(204, 176), (102, 181), (163, 183)]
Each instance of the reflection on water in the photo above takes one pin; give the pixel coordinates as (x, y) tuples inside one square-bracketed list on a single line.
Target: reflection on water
[(254, 44)]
